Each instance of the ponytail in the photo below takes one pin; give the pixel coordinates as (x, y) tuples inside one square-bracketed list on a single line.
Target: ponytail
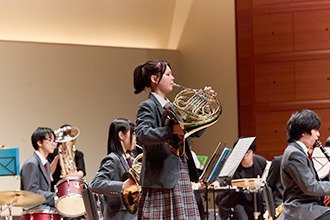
[(143, 73), (139, 80)]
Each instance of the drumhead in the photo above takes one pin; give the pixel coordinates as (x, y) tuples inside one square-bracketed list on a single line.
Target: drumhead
[(47, 211), (69, 178)]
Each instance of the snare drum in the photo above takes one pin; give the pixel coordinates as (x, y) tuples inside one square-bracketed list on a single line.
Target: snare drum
[(69, 201), (41, 215)]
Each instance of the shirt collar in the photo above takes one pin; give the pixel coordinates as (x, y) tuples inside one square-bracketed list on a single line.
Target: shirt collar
[(43, 160), (303, 147), (161, 100)]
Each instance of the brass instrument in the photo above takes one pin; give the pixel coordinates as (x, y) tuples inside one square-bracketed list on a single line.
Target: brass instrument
[(131, 195), (278, 212), (66, 136), (197, 108)]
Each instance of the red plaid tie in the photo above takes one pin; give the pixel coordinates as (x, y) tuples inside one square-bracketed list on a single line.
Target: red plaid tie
[(45, 167)]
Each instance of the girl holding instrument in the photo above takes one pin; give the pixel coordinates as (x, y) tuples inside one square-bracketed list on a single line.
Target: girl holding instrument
[(165, 177)]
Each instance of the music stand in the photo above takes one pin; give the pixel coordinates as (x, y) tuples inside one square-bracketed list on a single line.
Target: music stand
[(235, 158), (9, 166), (213, 168), (9, 162)]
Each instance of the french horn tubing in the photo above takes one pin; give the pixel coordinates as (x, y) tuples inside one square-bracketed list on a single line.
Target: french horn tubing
[(131, 195), (197, 108)]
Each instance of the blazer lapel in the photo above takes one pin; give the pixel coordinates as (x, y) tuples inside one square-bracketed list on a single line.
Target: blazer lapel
[(124, 163), (159, 109), (45, 174), (309, 162)]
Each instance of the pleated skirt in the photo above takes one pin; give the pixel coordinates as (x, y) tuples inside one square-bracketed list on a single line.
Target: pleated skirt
[(178, 203)]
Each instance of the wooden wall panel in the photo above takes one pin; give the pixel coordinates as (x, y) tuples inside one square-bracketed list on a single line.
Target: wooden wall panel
[(312, 79), (312, 30), (274, 82), (324, 115), (272, 33), (283, 53), (271, 132), (265, 2)]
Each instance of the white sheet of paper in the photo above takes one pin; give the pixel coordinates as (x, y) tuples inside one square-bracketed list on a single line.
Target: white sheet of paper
[(236, 156)]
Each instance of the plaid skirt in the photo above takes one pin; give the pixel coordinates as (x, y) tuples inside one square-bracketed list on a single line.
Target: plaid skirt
[(176, 203)]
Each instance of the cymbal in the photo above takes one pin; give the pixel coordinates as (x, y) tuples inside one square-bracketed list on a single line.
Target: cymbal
[(20, 198)]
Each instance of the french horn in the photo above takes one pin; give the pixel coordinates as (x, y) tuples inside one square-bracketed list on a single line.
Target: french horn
[(197, 108), (130, 196)]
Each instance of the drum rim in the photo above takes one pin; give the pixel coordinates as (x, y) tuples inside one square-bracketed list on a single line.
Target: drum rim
[(40, 211), (67, 214), (69, 178), (70, 195)]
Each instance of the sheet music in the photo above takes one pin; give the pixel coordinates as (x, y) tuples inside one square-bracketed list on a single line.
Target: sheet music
[(236, 156), (214, 165)]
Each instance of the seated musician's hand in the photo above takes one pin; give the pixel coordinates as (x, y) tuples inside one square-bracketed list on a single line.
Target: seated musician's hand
[(209, 90), (215, 185)]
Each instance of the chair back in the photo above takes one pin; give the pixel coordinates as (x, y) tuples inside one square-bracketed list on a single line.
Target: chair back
[(90, 203)]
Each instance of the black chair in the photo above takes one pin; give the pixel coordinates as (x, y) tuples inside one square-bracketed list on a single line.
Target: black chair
[(90, 203), (268, 195)]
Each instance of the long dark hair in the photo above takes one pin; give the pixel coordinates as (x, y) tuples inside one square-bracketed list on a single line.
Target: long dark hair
[(143, 72), (119, 125)]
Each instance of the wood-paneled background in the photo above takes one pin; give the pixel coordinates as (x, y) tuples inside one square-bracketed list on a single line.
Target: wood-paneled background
[(283, 59)]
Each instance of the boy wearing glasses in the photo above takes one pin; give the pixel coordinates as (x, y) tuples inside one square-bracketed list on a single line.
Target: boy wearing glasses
[(35, 173)]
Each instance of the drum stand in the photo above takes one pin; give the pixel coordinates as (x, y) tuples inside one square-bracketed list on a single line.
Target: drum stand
[(9, 207)]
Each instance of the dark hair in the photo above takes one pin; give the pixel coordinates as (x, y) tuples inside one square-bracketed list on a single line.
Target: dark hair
[(40, 135), (123, 125), (301, 122), (143, 72), (253, 146)]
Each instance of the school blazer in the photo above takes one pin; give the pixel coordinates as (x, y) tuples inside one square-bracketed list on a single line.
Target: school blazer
[(107, 181), (302, 187), (160, 166), (34, 178)]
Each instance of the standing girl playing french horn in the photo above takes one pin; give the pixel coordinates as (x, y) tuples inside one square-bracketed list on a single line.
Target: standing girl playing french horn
[(165, 177)]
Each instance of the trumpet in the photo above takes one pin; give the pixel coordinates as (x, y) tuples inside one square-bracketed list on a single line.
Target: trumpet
[(197, 108)]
